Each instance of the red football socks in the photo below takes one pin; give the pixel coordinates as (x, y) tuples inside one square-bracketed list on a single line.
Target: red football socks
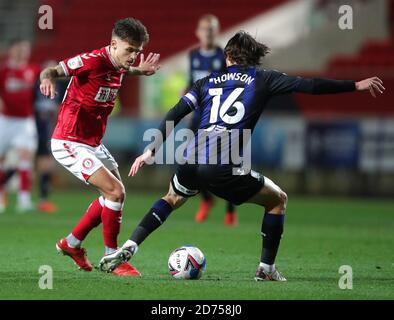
[(111, 217), (90, 220)]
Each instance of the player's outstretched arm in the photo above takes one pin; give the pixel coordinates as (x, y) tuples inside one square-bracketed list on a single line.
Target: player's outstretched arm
[(330, 86), (176, 114), (146, 67), (47, 77), (140, 162), (280, 83), (371, 84)]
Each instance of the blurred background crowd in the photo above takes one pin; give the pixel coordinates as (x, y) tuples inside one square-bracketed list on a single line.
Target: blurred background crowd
[(339, 144)]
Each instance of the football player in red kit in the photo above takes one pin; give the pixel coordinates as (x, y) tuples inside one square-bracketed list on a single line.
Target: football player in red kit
[(76, 143), (17, 125)]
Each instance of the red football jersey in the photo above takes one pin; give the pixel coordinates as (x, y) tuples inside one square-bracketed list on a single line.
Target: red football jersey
[(17, 89), (90, 96)]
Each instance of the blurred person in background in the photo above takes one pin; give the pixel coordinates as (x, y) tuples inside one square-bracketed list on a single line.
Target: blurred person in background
[(206, 58), (17, 127), (45, 115)]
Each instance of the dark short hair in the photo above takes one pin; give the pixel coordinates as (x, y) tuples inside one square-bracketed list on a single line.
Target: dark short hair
[(243, 49), (131, 30)]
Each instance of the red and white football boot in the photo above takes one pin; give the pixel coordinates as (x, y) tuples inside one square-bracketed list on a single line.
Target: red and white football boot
[(77, 254)]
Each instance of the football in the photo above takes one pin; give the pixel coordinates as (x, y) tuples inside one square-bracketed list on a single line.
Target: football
[(187, 262)]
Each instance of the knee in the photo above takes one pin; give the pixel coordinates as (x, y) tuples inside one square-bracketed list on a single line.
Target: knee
[(116, 193), (282, 200), (174, 199)]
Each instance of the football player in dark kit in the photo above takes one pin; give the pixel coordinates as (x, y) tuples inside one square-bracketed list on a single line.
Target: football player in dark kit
[(231, 100)]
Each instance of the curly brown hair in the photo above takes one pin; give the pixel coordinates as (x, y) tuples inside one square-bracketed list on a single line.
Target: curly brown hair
[(243, 49)]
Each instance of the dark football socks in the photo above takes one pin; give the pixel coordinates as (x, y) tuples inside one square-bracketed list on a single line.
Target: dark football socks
[(230, 207), (152, 220), (206, 195), (45, 181), (271, 231)]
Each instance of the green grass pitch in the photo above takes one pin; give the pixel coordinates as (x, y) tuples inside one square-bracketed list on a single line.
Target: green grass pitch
[(321, 234)]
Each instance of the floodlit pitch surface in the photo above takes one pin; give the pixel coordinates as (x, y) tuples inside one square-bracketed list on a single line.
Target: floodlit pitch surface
[(321, 235)]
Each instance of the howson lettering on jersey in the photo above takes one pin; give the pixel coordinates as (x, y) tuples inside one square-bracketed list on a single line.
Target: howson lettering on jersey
[(106, 94), (237, 76)]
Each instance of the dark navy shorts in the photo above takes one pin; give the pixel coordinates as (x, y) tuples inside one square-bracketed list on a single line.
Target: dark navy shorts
[(189, 179)]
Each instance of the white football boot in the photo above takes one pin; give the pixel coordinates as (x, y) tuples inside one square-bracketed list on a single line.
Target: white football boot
[(263, 275), (110, 262)]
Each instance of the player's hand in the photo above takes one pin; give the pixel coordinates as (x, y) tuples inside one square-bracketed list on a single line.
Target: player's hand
[(150, 65), (47, 88), (371, 84), (140, 162)]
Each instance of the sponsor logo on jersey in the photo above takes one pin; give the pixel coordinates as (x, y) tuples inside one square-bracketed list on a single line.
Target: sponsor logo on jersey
[(106, 94), (75, 63)]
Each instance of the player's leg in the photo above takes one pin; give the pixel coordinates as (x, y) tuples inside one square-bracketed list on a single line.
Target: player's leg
[(25, 142), (182, 186), (25, 171), (82, 162), (252, 188), (45, 162), (207, 200), (230, 217), (274, 200), (72, 244), (126, 268), (45, 166), (2, 185), (90, 220), (113, 191), (153, 219), (106, 209), (93, 217), (206, 204), (4, 145)]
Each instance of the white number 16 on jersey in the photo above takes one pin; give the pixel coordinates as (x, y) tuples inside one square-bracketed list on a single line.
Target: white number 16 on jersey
[(227, 104)]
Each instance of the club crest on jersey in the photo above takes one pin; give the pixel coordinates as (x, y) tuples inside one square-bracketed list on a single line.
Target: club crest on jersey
[(87, 163), (75, 63)]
